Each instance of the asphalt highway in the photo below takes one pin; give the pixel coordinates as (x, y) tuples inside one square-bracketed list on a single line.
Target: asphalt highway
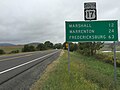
[(14, 65)]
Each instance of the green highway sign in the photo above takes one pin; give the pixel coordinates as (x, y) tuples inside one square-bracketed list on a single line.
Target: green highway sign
[(77, 31)]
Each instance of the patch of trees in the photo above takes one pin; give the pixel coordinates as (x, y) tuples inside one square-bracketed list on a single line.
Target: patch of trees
[(90, 48), (85, 48)]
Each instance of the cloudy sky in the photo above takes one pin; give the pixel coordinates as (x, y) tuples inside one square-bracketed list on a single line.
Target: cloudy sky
[(24, 21)]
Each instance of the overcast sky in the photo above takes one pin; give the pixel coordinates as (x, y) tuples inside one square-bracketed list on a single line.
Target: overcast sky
[(24, 21)]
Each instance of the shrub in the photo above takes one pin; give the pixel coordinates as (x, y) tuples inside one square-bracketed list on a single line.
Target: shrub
[(14, 51), (2, 51)]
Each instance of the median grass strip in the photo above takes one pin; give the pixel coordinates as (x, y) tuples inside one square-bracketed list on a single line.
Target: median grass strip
[(86, 73)]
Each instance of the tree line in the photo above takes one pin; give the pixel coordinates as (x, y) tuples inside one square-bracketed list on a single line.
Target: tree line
[(85, 48), (42, 46)]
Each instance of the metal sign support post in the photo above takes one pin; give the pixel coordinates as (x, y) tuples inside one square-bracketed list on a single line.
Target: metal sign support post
[(115, 73), (68, 58)]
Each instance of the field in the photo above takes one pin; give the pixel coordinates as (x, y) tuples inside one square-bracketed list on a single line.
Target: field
[(107, 48), (8, 49), (86, 73)]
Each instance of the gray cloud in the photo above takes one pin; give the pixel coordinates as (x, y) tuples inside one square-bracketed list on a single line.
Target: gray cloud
[(23, 21)]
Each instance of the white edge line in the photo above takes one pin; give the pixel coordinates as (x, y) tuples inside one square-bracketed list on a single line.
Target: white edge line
[(26, 63)]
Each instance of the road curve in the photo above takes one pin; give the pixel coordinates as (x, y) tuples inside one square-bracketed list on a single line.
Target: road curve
[(14, 65)]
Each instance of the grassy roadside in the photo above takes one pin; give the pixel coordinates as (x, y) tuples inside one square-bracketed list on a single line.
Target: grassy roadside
[(86, 73)]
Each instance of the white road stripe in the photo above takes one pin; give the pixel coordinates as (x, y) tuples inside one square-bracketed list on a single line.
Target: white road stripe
[(26, 63)]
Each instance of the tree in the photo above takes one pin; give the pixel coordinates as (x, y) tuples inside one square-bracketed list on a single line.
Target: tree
[(73, 46), (65, 45), (41, 46), (48, 44), (28, 48), (58, 46), (2, 51), (89, 48)]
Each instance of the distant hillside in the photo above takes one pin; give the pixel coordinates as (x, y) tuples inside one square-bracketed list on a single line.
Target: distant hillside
[(6, 44)]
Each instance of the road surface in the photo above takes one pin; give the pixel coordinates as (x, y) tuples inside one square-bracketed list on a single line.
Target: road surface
[(17, 71)]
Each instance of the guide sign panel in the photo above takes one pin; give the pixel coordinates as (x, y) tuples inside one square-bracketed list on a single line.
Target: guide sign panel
[(77, 31)]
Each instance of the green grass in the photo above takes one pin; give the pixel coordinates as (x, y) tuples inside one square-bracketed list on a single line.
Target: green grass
[(8, 49), (86, 73)]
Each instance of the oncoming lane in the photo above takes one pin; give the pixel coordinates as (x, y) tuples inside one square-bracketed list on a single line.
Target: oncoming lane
[(16, 65)]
